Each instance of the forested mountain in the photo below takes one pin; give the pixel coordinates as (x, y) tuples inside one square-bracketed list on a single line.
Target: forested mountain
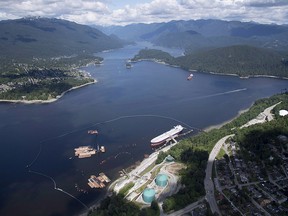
[(242, 60), (195, 35), (43, 37)]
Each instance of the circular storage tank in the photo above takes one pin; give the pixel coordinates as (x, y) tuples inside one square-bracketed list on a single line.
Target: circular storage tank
[(148, 195), (161, 180)]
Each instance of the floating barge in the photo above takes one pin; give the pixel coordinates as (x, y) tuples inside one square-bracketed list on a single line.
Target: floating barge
[(88, 151), (98, 182), (84, 151)]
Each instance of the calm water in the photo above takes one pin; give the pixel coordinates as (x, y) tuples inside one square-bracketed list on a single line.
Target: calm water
[(128, 107)]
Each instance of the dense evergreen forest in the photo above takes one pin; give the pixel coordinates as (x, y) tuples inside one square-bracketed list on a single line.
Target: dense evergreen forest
[(194, 152), (241, 60)]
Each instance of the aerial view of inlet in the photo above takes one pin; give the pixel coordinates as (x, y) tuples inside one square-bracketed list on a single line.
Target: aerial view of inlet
[(144, 108)]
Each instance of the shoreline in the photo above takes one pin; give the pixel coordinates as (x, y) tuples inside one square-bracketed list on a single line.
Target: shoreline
[(50, 100), (211, 72), (209, 128)]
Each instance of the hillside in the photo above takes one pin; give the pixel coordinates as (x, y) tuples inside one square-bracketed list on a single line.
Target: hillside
[(43, 37), (241, 60), (39, 57)]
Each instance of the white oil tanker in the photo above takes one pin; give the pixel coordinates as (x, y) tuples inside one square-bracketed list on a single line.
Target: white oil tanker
[(166, 136)]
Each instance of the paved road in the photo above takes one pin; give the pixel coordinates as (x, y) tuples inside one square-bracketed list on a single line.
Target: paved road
[(208, 181)]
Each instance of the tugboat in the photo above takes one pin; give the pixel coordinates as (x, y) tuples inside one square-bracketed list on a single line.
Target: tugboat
[(190, 77), (102, 149)]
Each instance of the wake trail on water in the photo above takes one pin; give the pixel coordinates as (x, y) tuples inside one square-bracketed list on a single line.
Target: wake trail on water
[(222, 93), (227, 92), (214, 95)]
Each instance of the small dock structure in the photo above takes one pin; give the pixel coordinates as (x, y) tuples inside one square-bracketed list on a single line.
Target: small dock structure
[(99, 181)]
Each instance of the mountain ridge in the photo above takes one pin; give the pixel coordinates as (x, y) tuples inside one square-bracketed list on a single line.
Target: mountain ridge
[(45, 37), (170, 34)]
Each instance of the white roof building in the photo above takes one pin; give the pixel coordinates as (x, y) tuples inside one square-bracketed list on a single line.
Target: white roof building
[(283, 112)]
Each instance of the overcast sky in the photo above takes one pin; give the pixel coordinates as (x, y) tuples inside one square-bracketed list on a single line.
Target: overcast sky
[(123, 12)]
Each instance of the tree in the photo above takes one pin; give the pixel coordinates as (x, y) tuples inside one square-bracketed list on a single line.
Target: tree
[(155, 207)]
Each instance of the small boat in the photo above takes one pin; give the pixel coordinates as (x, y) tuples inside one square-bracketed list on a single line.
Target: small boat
[(102, 149), (190, 77), (128, 65), (92, 132)]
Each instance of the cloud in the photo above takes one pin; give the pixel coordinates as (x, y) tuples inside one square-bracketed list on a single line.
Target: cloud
[(267, 3), (100, 12)]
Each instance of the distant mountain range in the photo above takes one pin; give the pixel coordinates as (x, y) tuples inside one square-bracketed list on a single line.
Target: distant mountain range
[(43, 37), (195, 35)]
